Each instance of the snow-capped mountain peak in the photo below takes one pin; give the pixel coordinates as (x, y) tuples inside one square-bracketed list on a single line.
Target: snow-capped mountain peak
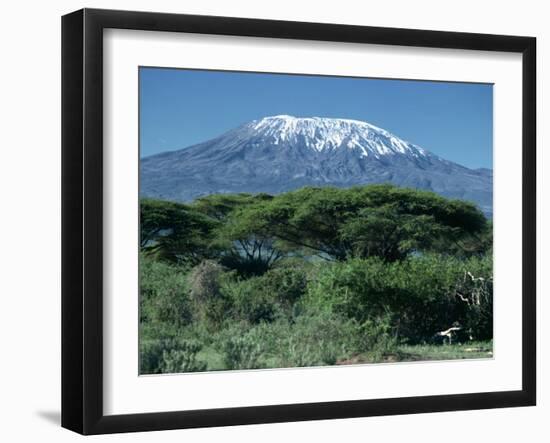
[(321, 134), (281, 153)]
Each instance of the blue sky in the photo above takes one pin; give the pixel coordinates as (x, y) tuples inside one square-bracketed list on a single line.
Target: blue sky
[(179, 108)]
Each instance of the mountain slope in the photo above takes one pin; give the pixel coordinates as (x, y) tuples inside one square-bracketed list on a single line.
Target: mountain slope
[(281, 153)]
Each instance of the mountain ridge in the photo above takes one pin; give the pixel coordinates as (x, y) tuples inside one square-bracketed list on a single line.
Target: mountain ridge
[(279, 153)]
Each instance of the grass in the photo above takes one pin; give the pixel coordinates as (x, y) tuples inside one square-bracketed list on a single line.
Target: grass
[(447, 352), (404, 353), (441, 352)]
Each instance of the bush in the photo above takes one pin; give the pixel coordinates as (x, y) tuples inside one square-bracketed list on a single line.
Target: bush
[(249, 302), (169, 355), (267, 297), (205, 291), (150, 355), (243, 351), (317, 339), (164, 295), (182, 359), (377, 338), (312, 339), (419, 294), (288, 284), (475, 295), (204, 281)]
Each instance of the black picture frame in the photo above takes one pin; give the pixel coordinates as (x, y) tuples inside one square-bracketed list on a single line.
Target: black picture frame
[(82, 215)]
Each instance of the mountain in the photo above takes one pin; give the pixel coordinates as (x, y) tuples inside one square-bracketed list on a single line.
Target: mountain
[(281, 153)]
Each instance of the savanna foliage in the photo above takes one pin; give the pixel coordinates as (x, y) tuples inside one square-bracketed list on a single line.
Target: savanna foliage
[(315, 276)]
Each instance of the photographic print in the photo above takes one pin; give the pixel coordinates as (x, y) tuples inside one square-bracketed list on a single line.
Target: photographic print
[(292, 220)]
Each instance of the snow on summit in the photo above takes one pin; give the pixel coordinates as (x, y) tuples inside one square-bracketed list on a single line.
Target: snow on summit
[(322, 134), (281, 153)]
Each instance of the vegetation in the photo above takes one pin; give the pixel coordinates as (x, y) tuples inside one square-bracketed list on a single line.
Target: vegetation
[(317, 276)]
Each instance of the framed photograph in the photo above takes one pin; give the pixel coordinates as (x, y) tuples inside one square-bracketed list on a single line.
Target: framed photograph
[(269, 221)]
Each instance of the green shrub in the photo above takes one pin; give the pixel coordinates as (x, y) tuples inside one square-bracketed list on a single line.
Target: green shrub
[(250, 301), (474, 294), (308, 340), (182, 359), (319, 338), (168, 355), (150, 355), (164, 295), (243, 351), (377, 338), (419, 294), (267, 297), (209, 302), (287, 283)]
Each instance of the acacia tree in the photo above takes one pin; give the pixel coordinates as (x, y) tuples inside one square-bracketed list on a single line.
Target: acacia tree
[(303, 221), (220, 206), (398, 221), (247, 243), (251, 233), (377, 220), (175, 232), (243, 243), (386, 233)]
